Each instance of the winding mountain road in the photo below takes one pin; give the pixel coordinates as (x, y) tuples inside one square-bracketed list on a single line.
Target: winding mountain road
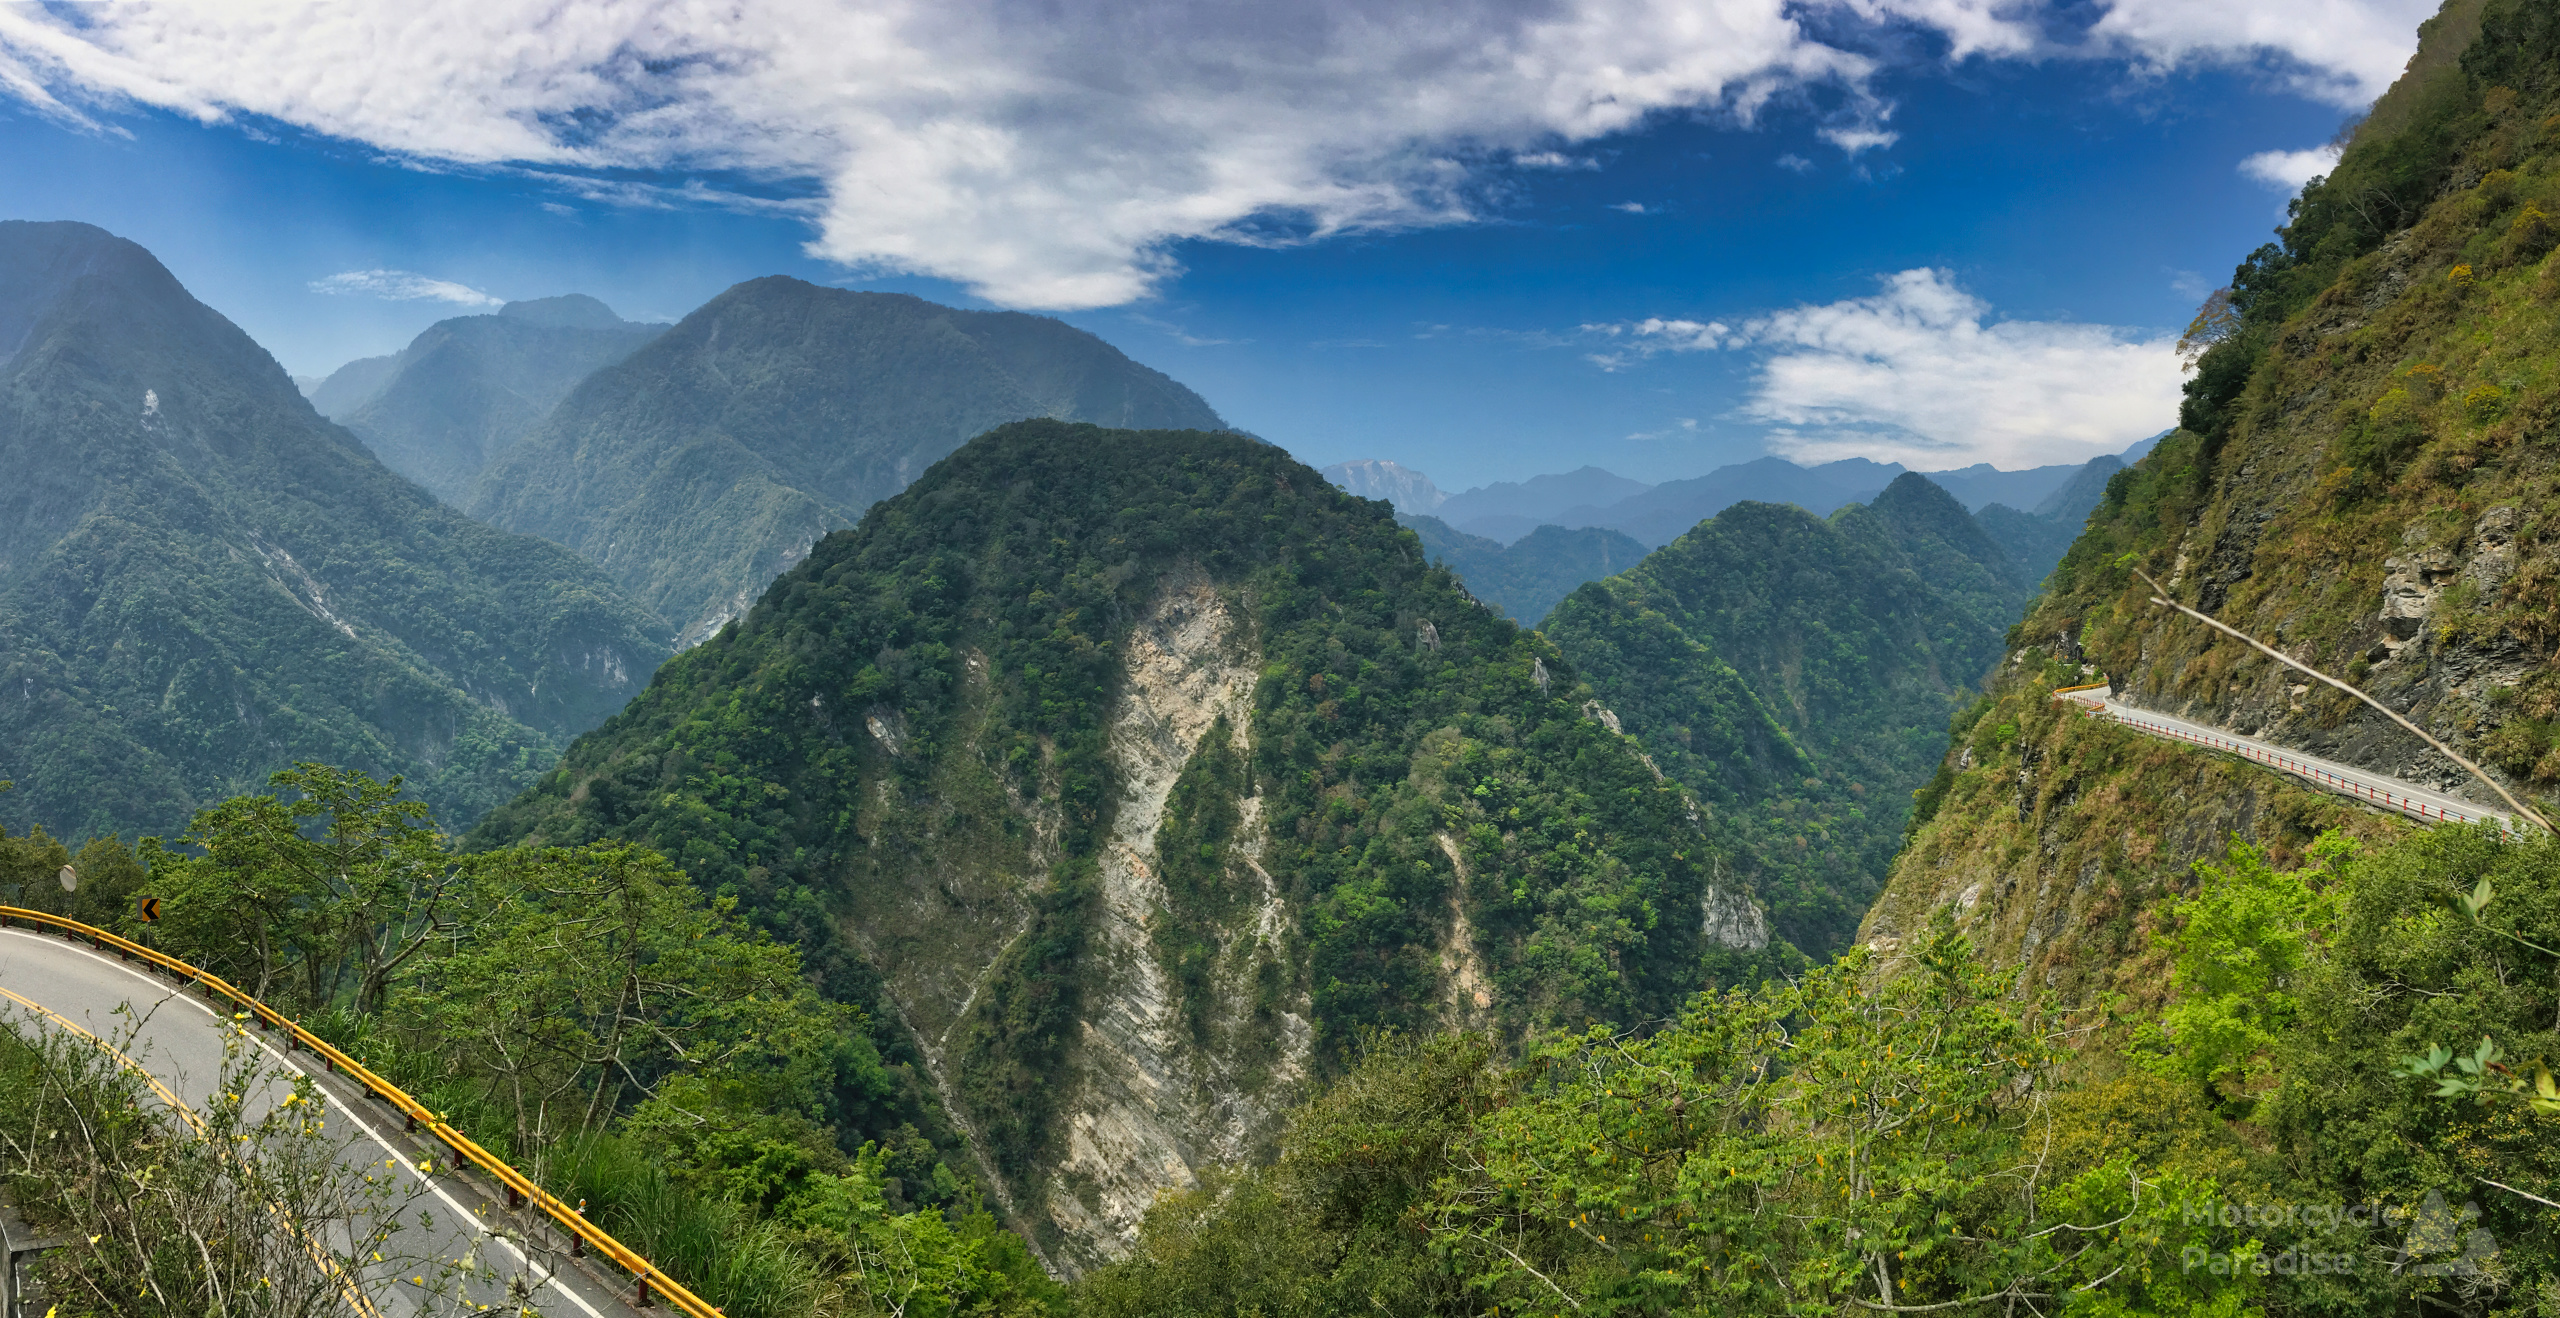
[(2346, 780), (498, 1261)]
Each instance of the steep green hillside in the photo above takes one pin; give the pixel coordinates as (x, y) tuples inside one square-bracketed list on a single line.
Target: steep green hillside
[(202, 581), (703, 465), (1798, 673), (1524, 579), (1145, 770), (468, 387), (2361, 479)]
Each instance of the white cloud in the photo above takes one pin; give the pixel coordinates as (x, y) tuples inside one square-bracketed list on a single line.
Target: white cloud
[(1630, 207), (403, 286), (1553, 160), (1795, 162), (2289, 170), (1919, 374), (1050, 153), (1851, 141), (1635, 340), (2344, 52)]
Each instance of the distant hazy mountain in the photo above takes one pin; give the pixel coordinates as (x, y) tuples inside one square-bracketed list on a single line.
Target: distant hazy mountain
[(1981, 485), (2037, 541), (704, 464), (346, 388), (1660, 514), (1409, 491), (1526, 505), (1667, 511), (202, 581), (1525, 579), (470, 386)]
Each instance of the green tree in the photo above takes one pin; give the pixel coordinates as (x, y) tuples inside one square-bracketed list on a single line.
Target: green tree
[(1872, 1138), (573, 978), (2243, 942), (340, 885)]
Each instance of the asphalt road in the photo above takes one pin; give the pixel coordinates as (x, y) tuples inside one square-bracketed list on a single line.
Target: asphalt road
[(2362, 784), (177, 1042)]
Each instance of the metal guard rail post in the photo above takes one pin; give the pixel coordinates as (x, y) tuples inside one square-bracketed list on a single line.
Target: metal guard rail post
[(520, 1188)]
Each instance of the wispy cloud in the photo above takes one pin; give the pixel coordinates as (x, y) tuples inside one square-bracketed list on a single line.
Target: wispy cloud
[(1553, 160), (2289, 170), (1685, 427), (1051, 156), (1797, 163), (1630, 207), (403, 286), (1922, 373), (1180, 335), (1632, 341)]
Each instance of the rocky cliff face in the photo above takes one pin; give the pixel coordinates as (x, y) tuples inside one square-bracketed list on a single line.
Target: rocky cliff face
[(2366, 449), (1138, 773)]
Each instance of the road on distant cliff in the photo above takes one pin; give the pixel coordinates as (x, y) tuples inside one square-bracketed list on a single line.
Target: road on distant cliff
[(2346, 780), (177, 1042)]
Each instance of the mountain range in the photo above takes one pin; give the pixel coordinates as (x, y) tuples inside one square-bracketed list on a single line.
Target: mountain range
[(704, 463), (1798, 673), (1657, 514), (202, 580), (471, 386), (1144, 772)]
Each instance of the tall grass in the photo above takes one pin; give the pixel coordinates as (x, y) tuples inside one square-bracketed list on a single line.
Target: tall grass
[(721, 1251), (718, 1250)]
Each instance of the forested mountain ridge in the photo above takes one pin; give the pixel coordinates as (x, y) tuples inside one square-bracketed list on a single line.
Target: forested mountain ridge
[(1140, 772), (202, 581), (1525, 578), (704, 464), (468, 387), (1798, 673)]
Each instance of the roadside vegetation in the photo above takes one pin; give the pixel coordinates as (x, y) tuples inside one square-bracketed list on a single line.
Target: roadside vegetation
[(1912, 1131)]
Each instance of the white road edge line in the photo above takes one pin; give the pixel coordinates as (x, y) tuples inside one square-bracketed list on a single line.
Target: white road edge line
[(169, 991)]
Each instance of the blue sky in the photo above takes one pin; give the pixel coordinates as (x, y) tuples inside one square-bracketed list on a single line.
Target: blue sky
[(1657, 268)]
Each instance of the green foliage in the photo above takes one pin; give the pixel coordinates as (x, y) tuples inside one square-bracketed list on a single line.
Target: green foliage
[(2243, 943), (570, 976), (588, 1013), (1340, 1223), (296, 900), (1525, 579), (1874, 1133), (701, 466), (206, 582), (1795, 672), (243, 1205), (106, 874)]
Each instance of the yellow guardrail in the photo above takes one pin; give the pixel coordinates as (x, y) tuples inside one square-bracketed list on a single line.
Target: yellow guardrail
[(2085, 686), (520, 1188)]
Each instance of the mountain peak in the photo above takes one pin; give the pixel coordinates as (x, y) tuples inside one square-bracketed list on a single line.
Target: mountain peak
[(567, 311)]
